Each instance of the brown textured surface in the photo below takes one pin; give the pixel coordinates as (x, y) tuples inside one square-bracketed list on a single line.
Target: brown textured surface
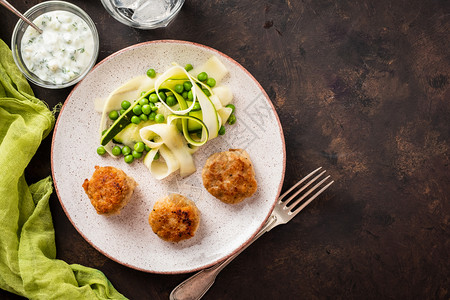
[(362, 89), (229, 176), (174, 218), (109, 189)]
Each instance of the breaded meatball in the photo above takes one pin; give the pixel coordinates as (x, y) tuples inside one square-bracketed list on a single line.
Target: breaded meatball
[(229, 176), (109, 190), (174, 218)]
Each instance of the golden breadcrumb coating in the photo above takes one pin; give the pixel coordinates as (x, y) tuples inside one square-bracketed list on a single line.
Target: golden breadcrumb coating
[(229, 176), (109, 189), (174, 218)]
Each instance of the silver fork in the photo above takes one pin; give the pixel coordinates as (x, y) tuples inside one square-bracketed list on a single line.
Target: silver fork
[(197, 285)]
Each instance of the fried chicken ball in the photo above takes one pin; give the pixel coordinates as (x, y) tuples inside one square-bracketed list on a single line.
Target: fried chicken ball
[(229, 176), (174, 218), (109, 190)]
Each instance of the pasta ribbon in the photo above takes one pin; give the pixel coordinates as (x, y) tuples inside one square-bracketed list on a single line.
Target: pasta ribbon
[(168, 135)]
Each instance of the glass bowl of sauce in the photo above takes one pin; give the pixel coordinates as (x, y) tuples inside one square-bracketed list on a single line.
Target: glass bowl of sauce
[(66, 50)]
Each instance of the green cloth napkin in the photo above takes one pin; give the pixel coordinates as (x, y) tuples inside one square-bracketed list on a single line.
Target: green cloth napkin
[(28, 264)]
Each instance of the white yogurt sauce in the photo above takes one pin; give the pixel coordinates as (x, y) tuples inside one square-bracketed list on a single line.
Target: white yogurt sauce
[(63, 50)]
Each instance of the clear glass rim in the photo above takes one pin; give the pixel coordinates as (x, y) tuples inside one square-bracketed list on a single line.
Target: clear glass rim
[(51, 6), (151, 25)]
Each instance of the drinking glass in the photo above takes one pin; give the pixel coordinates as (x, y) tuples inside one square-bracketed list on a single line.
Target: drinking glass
[(143, 14)]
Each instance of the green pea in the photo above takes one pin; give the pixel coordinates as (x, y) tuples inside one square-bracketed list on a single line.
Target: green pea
[(159, 118), (143, 93), (231, 119), (136, 154), (206, 91), (196, 106), (152, 116), (202, 76), (187, 85), (171, 101), (179, 88), (153, 107), (143, 117), (128, 158), (153, 98), (113, 115), (156, 156), (162, 95), (101, 150), (222, 130), (188, 67), (116, 151), (104, 131), (143, 101), (147, 148), (232, 107), (137, 110), (151, 73), (125, 104), (185, 94), (122, 111), (135, 119), (139, 146), (126, 150), (190, 95), (211, 82), (146, 109)]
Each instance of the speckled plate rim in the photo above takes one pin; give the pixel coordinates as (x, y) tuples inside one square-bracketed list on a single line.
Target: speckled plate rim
[(266, 97)]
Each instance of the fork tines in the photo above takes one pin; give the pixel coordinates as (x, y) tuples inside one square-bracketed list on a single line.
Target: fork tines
[(294, 206)]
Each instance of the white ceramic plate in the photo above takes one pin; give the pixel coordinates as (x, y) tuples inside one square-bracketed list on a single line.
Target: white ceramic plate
[(127, 238)]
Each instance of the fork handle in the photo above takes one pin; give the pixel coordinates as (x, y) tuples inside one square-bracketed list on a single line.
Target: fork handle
[(17, 13), (197, 285)]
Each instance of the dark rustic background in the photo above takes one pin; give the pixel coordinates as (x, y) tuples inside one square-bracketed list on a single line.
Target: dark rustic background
[(362, 89)]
